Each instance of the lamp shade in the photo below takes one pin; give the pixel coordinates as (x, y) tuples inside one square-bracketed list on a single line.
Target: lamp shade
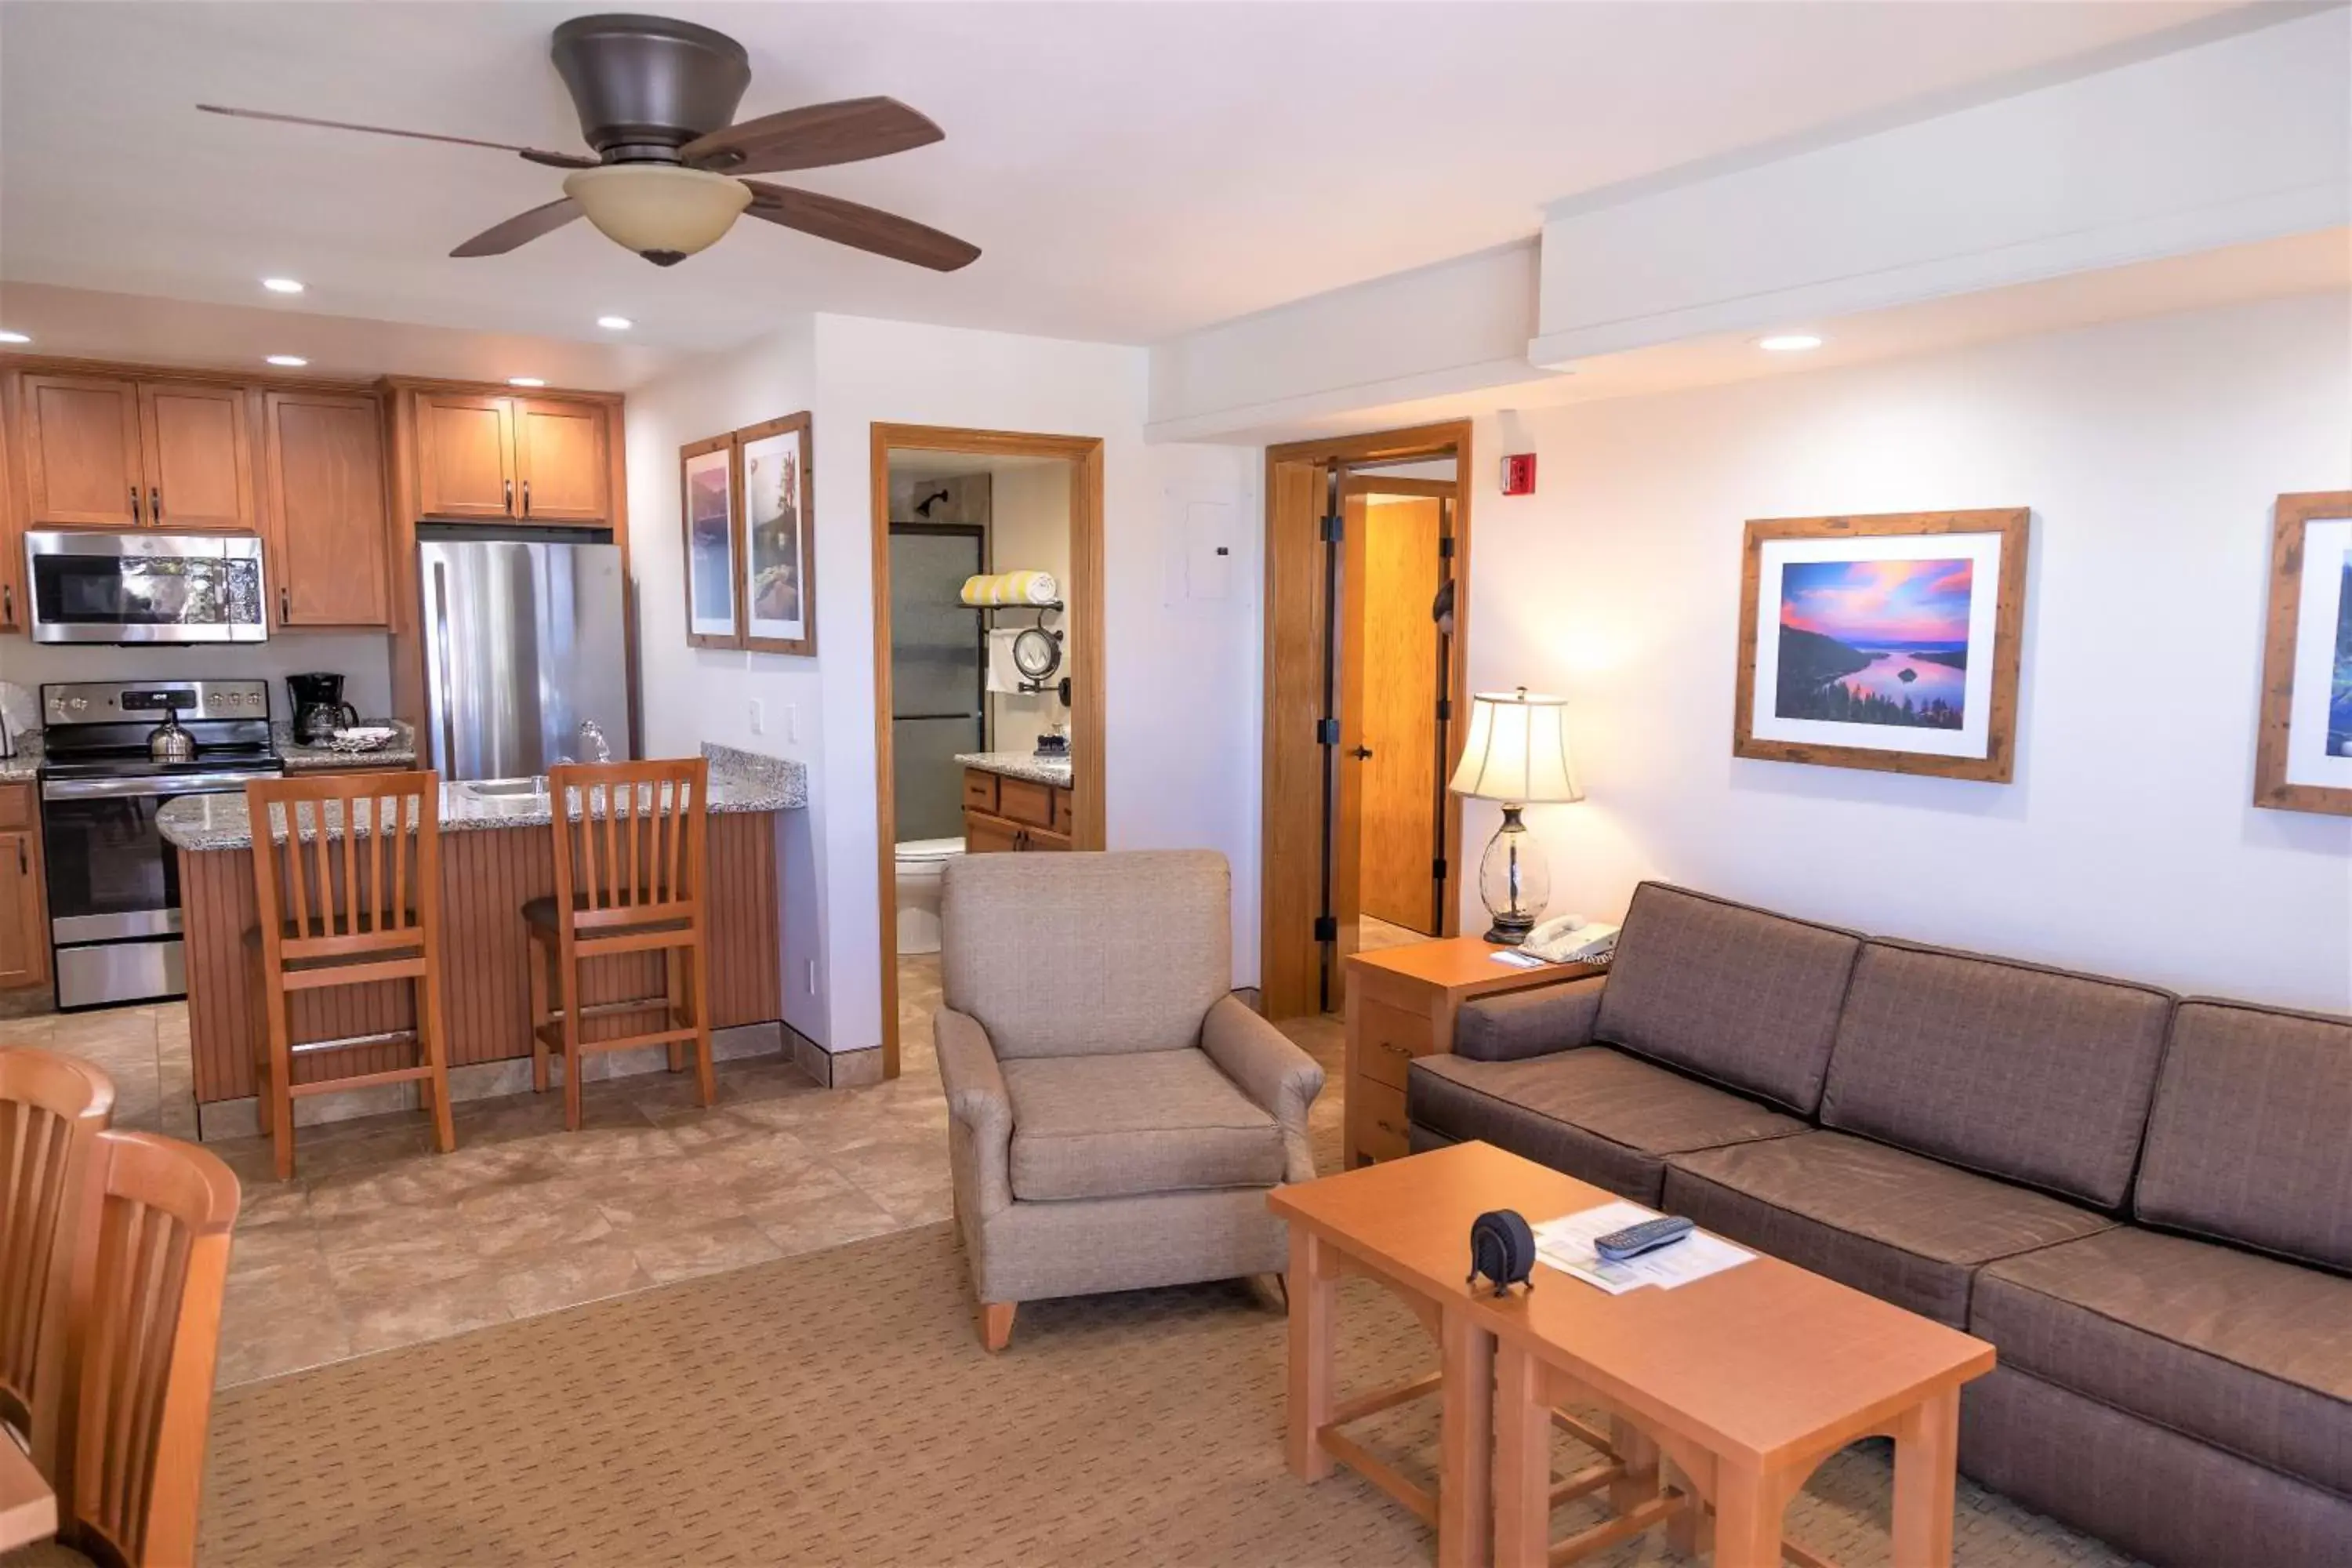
[(658, 210), (1517, 749)]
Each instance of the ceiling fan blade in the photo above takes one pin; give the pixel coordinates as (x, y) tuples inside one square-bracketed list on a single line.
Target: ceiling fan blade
[(812, 137), (866, 229), (553, 160), (520, 229)]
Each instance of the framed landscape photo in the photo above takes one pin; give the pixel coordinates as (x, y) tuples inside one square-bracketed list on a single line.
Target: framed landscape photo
[(2303, 753), (778, 566), (707, 507), (1887, 642)]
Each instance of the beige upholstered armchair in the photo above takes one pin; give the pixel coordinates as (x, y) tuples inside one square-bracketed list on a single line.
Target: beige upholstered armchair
[(1116, 1115)]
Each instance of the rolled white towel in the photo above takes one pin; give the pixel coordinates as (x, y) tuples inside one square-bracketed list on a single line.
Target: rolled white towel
[(1031, 588)]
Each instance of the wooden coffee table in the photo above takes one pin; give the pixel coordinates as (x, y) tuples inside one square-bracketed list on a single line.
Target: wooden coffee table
[(1723, 1395)]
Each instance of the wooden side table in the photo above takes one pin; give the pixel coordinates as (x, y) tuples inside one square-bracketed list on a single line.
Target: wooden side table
[(1401, 1004)]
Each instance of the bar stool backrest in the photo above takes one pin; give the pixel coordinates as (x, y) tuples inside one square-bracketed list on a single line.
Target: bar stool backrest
[(636, 854), (345, 864), (52, 1109)]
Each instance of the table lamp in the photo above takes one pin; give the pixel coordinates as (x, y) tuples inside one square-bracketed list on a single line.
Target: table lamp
[(1517, 754)]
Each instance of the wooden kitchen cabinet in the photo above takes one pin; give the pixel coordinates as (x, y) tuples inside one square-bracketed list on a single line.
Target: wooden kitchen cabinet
[(523, 460), (324, 472), (1003, 813), (119, 452), (24, 934)]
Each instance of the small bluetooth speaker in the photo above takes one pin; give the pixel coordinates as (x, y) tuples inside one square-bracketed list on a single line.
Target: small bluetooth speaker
[(1502, 1249)]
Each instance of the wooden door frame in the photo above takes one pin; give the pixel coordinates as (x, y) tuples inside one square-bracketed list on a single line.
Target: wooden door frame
[(1291, 822), (1082, 593)]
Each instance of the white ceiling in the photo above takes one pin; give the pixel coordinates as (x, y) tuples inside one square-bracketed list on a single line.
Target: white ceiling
[(1131, 170)]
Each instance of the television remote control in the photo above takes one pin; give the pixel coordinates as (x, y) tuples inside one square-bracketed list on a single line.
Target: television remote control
[(1636, 1239)]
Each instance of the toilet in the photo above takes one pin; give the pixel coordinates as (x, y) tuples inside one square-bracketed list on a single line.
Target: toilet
[(921, 863)]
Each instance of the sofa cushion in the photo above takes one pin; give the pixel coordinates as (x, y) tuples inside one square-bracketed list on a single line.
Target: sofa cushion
[(1137, 1121), (1080, 954), (1906, 1229), (1747, 998), (2029, 1074), (1598, 1114), (2247, 1141), (2245, 1352)]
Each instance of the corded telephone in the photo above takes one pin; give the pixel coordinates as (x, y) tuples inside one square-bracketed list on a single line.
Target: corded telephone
[(1572, 939)]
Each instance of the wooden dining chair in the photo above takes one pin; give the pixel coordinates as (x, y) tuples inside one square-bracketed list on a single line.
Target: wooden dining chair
[(339, 907), (629, 878), (149, 1262), (52, 1109)]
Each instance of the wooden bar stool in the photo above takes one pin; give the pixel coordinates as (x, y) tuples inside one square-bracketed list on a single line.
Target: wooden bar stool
[(629, 878), (52, 1109), (340, 907)]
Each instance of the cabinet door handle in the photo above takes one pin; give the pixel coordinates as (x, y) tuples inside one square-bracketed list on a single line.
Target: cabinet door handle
[(526, 498), (510, 484), (135, 518), (154, 505), (22, 868), (285, 606), (7, 603)]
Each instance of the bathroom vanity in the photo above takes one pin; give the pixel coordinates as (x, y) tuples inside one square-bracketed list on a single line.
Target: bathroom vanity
[(1015, 801)]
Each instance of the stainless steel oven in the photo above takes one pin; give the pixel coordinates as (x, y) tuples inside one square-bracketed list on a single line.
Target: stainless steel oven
[(87, 586)]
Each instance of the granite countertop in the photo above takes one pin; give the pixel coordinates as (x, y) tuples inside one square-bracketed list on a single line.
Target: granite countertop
[(400, 751), (20, 768), (740, 780), (1027, 765)]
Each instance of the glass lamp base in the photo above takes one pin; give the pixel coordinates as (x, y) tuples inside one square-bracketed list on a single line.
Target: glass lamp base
[(1508, 932), (1514, 881)]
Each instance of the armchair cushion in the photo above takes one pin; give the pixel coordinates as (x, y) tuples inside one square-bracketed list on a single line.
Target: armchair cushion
[(1134, 1122)]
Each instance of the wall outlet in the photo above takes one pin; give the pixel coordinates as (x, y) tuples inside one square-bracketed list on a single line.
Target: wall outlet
[(812, 976), (759, 718)]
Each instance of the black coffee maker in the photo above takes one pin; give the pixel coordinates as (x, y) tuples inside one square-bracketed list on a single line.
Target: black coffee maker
[(319, 707)]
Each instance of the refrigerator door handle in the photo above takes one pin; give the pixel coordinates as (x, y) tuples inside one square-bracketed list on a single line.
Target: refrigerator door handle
[(440, 670)]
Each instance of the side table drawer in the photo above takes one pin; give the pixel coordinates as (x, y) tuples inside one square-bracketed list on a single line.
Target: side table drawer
[(1376, 1112), (1388, 1040)]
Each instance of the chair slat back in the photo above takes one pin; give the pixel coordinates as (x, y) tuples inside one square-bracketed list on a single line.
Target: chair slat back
[(345, 864), (149, 1271), (52, 1109), (636, 853)]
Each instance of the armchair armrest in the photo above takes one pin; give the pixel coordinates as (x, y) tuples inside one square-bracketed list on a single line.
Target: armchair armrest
[(1279, 1079), (1520, 1024), (980, 1114)]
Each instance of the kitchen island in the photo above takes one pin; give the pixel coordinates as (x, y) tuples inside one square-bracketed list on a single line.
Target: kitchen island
[(496, 853)]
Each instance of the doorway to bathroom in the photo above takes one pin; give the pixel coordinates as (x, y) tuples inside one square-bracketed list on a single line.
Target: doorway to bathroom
[(988, 675), (1368, 552)]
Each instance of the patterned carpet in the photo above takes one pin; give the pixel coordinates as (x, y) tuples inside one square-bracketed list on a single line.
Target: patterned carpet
[(835, 1409)]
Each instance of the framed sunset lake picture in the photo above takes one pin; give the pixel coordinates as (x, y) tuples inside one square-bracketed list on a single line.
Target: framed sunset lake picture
[(1887, 642), (707, 494), (2303, 753)]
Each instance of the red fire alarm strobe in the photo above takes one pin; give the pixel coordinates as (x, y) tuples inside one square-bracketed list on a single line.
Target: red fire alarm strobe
[(1519, 474)]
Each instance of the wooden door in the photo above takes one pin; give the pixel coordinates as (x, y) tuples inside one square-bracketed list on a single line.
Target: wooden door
[(1347, 826), (323, 463), (198, 454), (82, 464), (464, 455), (23, 944), (560, 461), (1399, 710), (1289, 963)]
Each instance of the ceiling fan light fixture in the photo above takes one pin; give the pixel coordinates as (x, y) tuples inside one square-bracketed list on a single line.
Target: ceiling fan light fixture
[(661, 211)]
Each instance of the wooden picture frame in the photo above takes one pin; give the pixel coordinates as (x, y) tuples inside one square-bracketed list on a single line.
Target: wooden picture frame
[(702, 613), (2285, 760), (779, 452), (1908, 598)]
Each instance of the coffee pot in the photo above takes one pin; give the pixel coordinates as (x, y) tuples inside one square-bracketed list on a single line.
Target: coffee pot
[(319, 706)]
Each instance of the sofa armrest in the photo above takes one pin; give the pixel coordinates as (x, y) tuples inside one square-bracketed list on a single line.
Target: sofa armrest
[(1281, 1079), (980, 1114), (1536, 1023)]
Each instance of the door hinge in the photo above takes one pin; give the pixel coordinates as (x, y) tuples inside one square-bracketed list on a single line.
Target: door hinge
[(1445, 547), (1333, 526), (1437, 870), (1445, 709), (1327, 928), (1327, 732)]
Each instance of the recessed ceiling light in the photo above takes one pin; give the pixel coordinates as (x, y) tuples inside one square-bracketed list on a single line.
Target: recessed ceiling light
[(15, 338), (1789, 343), (291, 362), (615, 324), (282, 285), (525, 380)]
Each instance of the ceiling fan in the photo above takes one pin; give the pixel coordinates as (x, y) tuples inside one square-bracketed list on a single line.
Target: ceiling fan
[(657, 100)]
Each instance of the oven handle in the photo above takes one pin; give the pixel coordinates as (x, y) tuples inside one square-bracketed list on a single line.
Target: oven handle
[(177, 784)]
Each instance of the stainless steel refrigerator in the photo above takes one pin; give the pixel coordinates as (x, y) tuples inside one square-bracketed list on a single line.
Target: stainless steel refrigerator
[(525, 652)]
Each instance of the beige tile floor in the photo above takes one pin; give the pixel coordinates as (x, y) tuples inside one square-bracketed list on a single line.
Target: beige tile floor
[(378, 1242)]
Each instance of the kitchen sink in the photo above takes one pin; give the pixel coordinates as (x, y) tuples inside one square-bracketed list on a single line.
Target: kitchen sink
[(506, 789)]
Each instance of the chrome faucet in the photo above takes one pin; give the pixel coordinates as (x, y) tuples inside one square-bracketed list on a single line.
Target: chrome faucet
[(593, 741)]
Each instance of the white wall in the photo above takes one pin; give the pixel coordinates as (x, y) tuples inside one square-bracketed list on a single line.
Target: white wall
[(1029, 530), (2150, 452), (362, 659), (686, 695)]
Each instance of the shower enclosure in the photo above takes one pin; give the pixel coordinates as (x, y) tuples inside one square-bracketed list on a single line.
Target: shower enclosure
[(939, 703)]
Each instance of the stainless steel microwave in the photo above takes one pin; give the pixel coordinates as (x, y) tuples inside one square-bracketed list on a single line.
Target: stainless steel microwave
[(145, 587)]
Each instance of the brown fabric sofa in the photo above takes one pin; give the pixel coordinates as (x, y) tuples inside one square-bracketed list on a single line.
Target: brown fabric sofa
[(2144, 1203)]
